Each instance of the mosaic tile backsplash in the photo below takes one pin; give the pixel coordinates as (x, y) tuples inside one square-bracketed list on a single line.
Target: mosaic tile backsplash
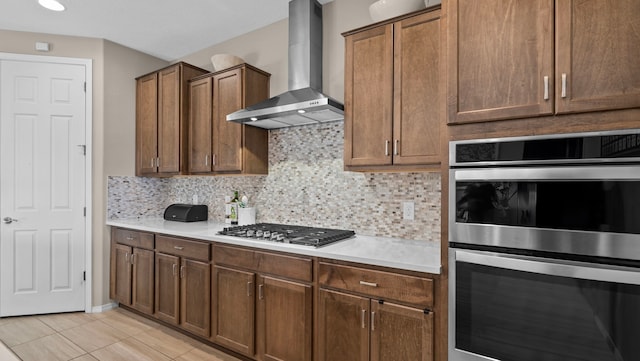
[(306, 185)]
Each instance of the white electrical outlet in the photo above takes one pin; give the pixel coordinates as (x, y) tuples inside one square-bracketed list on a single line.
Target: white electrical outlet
[(408, 209)]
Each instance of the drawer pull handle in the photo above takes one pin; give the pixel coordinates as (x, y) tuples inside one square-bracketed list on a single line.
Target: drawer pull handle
[(174, 269), (133, 257), (249, 286), (178, 248), (362, 318), (182, 268), (564, 85), (370, 284), (260, 292), (130, 238)]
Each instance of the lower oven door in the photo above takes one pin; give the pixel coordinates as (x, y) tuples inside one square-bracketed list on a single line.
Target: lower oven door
[(519, 308)]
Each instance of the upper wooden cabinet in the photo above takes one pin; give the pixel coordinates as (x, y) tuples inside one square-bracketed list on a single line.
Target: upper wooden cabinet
[(221, 147), (393, 87), (162, 100), (501, 57)]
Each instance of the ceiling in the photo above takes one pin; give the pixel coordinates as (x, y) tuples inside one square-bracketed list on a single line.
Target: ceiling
[(166, 29)]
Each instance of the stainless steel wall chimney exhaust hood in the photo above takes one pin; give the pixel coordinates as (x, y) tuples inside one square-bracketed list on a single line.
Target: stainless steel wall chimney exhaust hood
[(304, 103)]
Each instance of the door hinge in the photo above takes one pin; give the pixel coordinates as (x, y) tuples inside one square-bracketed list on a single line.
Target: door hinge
[(84, 275), (85, 86), (84, 211)]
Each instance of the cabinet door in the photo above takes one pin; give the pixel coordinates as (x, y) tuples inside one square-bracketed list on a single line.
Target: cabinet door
[(200, 127), (233, 314), (195, 296), (169, 120), (499, 55), (417, 90), (122, 277), (369, 97), (227, 144), (284, 320), (143, 280), (146, 124), (598, 52), (343, 327), (167, 290), (400, 333)]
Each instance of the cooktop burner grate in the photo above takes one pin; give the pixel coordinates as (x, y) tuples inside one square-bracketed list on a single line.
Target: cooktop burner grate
[(308, 236)]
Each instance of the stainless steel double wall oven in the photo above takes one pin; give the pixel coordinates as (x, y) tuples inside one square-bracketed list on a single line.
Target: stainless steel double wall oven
[(545, 248)]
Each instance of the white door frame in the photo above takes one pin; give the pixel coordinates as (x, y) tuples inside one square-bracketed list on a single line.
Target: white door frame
[(88, 66)]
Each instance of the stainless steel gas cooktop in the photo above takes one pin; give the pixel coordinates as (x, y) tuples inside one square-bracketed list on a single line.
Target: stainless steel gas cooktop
[(308, 236)]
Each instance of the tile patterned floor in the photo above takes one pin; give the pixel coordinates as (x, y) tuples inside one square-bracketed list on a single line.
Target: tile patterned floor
[(115, 335)]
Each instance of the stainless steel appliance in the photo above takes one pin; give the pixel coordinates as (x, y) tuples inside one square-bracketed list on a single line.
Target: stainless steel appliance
[(545, 248), (307, 236), (304, 103)]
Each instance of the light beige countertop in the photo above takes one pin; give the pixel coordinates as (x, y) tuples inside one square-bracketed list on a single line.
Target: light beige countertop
[(402, 254)]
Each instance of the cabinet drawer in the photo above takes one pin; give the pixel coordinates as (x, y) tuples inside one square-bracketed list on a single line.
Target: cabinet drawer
[(282, 265), (183, 248), (378, 284), (133, 238)]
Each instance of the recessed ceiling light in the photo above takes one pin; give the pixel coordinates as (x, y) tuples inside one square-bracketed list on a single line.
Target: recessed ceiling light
[(51, 5), (301, 111), (253, 119)]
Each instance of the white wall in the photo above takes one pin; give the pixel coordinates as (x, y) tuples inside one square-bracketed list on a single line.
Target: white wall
[(267, 48)]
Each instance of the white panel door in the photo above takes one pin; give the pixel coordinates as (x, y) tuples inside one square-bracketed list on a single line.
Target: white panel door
[(42, 181)]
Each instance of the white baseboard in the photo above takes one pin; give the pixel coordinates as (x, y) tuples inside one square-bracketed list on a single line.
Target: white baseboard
[(103, 308)]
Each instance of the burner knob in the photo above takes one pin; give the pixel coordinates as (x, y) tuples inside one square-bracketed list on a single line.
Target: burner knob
[(251, 233), (266, 234)]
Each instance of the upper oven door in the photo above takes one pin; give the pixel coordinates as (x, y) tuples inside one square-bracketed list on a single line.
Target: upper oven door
[(585, 210)]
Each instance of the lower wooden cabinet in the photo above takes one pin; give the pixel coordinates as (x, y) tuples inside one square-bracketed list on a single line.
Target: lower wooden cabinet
[(183, 285), (132, 270), (262, 304), (285, 319), (281, 326), (363, 315), (233, 316)]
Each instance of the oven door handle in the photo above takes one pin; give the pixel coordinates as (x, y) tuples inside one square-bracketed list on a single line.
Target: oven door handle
[(553, 267)]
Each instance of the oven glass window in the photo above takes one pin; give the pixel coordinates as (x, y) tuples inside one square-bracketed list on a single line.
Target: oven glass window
[(521, 316), (601, 206)]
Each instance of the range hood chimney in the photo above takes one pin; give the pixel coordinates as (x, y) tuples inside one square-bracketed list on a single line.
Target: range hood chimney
[(304, 103)]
